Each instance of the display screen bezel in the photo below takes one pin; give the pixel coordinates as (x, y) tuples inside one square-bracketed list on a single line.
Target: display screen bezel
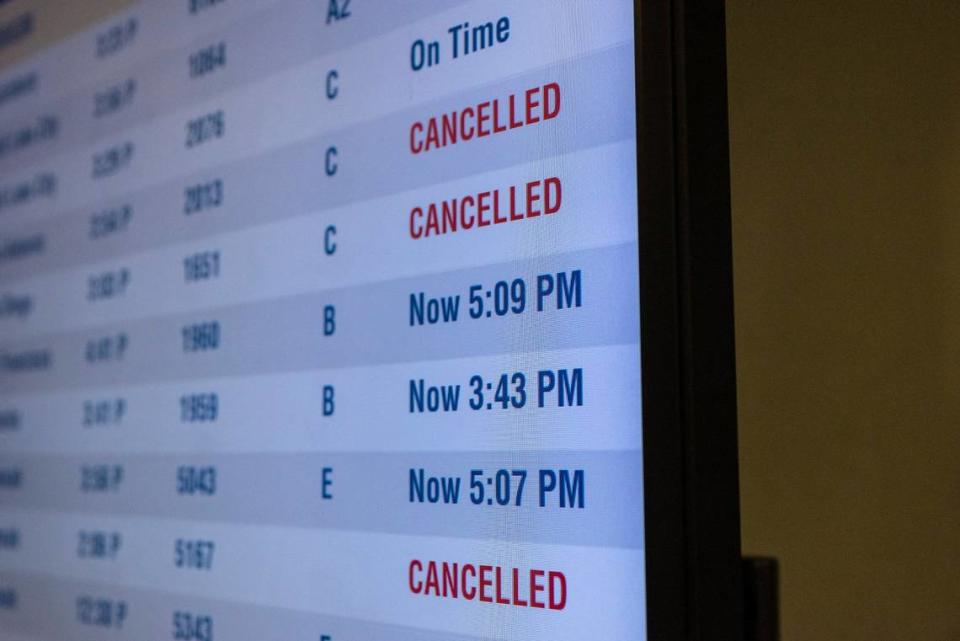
[(686, 313)]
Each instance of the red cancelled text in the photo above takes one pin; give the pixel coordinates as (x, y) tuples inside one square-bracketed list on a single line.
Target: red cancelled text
[(486, 118), (494, 207), (489, 584)]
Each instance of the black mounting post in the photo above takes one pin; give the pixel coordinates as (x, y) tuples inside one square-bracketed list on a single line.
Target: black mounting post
[(761, 599)]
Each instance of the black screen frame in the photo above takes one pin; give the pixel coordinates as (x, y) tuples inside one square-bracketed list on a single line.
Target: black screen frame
[(692, 521)]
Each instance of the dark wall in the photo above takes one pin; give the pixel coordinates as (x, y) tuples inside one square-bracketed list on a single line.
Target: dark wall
[(845, 133)]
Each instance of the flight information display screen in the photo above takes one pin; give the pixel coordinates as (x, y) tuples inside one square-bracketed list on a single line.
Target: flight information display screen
[(319, 320)]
